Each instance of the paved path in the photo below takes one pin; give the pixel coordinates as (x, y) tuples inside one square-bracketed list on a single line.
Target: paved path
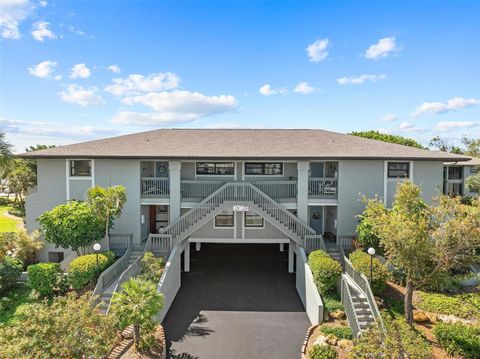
[(237, 302)]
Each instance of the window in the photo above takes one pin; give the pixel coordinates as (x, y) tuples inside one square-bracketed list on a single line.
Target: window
[(225, 219), (215, 168), (253, 220), (455, 173), (55, 257), (264, 169), (80, 168), (454, 189), (398, 170)]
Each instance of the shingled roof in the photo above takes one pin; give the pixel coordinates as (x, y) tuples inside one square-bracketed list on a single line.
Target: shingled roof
[(474, 161), (241, 143)]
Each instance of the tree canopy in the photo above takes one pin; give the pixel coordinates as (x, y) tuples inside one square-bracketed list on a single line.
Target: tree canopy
[(72, 225), (377, 135), (425, 241)]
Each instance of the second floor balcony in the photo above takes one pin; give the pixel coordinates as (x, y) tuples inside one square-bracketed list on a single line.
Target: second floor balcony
[(281, 191)]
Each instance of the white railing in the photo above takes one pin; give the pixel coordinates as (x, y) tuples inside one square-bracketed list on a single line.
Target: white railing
[(314, 242), (155, 187), (322, 187), (362, 282), (346, 242), (160, 244), (237, 192), (198, 190), (278, 190), (120, 242), (347, 301), (112, 272)]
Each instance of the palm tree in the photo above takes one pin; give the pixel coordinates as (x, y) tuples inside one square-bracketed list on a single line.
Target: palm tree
[(6, 156), (136, 304), (107, 204)]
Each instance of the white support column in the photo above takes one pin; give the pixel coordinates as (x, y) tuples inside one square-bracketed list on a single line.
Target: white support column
[(175, 196), (198, 246), (281, 247), (186, 254), (290, 257), (302, 188)]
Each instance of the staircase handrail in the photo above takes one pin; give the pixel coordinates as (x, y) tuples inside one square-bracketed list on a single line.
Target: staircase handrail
[(106, 278), (236, 191), (364, 285), (347, 301)]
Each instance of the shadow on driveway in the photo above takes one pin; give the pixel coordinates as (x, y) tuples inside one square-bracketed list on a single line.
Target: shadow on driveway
[(238, 301)]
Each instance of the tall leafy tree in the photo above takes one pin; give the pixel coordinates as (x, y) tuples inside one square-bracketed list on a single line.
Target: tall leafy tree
[(426, 241), (473, 183), (440, 144), (136, 305), (379, 136), (107, 203), (72, 225), (472, 146), (20, 178)]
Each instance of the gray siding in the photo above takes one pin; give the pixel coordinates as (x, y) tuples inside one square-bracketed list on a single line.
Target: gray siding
[(429, 176)]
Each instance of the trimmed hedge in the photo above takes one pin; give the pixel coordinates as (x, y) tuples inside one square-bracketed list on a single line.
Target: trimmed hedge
[(83, 269), (361, 262), (323, 352), (10, 270), (326, 271), (459, 339), (45, 278)]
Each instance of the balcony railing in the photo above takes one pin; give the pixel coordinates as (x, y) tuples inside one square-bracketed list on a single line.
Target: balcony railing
[(278, 190), (198, 190), (155, 187), (322, 187)]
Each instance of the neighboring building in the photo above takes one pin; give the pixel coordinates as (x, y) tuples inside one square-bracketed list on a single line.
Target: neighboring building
[(455, 174), (318, 176)]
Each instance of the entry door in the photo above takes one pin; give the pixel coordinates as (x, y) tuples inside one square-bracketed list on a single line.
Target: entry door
[(153, 219), (316, 220)]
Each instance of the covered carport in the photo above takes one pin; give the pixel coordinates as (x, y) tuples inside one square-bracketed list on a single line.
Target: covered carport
[(237, 301)]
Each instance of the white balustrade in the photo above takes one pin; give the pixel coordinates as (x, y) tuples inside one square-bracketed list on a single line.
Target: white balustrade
[(155, 187), (322, 187), (278, 190), (198, 190)]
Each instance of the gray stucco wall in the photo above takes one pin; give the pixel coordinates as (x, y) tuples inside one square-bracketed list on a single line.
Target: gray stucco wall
[(110, 172), (429, 176), (50, 192)]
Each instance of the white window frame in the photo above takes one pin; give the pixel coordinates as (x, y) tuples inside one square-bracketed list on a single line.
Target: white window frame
[(69, 178), (387, 180), (225, 227), (250, 227)]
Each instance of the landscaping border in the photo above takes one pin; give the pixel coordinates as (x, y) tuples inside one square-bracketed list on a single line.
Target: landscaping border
[(307, 338)]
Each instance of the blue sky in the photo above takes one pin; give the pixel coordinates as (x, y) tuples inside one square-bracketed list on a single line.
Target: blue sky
[(76, 71)]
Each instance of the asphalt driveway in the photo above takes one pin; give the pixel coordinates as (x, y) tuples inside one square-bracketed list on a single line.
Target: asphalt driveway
[(237, 302)]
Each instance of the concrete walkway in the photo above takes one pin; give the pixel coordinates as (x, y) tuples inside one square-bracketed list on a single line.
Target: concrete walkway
[(238, 301)]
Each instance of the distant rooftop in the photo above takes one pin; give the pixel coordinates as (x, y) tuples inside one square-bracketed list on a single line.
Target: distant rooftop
[(474, 161), (241, 143)]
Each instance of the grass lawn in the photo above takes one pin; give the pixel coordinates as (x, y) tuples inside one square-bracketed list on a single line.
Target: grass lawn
[(15, 300), (7, 223)]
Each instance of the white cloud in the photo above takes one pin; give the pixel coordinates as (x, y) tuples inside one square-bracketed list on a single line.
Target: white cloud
[(389, 117), (304, 88), (173, 107), (359, 80), (80, 71), (318, 51), (43, 69), (114, 68), (40, 31), (267, 90), (12, 13), (446, 126), (43, 3), (409, 128), (58, 77), (81, 96), (51, 129), (454, 104), (136, 83), (383, 48)]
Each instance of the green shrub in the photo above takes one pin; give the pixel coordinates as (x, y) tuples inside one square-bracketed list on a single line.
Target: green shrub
[(323, 352), (443, 283), (339, 332), (361, 262), (83, 269), (45, 278), (326, 271), (459, 339), (152, 267), (332, 302), (463, 305), (10, 270)]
